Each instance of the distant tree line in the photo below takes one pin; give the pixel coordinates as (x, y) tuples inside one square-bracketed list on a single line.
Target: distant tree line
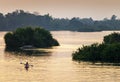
[(108, 51), (20, 18)]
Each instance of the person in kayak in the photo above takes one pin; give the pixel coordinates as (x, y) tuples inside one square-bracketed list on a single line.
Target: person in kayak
[(26, 66)]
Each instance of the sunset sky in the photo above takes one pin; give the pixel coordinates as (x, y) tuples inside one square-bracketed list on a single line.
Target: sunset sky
[(97, 9)]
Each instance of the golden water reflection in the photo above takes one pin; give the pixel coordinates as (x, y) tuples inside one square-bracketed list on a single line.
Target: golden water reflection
[(57, 66)]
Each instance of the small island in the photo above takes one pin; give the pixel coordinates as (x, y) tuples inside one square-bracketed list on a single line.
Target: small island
[(29, 37), (108, 51)]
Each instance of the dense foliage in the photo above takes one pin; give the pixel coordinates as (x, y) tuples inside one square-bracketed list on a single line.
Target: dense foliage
[(112, 38), (108, 51), (20, 18), (37, 37)]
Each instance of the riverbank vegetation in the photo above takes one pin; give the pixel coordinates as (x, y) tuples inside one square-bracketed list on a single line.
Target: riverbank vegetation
[(108, 51), (29, 37), (20, 18)]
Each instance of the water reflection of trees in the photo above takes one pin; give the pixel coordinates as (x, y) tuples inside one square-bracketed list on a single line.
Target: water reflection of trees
[(29, 52)]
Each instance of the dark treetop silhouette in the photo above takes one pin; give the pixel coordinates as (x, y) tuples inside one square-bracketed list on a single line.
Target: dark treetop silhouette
[(20, 18), (35, 37), (108, 51)]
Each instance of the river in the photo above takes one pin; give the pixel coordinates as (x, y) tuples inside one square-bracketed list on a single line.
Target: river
[(57, 65)]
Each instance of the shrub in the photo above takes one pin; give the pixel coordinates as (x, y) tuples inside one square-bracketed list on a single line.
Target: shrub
[(37, 37), (108, 51)]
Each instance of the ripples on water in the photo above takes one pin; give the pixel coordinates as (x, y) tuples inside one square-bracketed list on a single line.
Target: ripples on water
[(57, 65)]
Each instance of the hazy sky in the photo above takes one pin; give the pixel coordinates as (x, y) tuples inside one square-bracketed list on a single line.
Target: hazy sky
[(97, 9)]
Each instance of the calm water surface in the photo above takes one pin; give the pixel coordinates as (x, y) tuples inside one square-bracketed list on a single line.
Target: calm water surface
[(57, 65)]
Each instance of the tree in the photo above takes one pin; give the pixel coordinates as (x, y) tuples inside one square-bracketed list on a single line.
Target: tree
[(37, 37), (109, 51), (112, 38), (113, 17)]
